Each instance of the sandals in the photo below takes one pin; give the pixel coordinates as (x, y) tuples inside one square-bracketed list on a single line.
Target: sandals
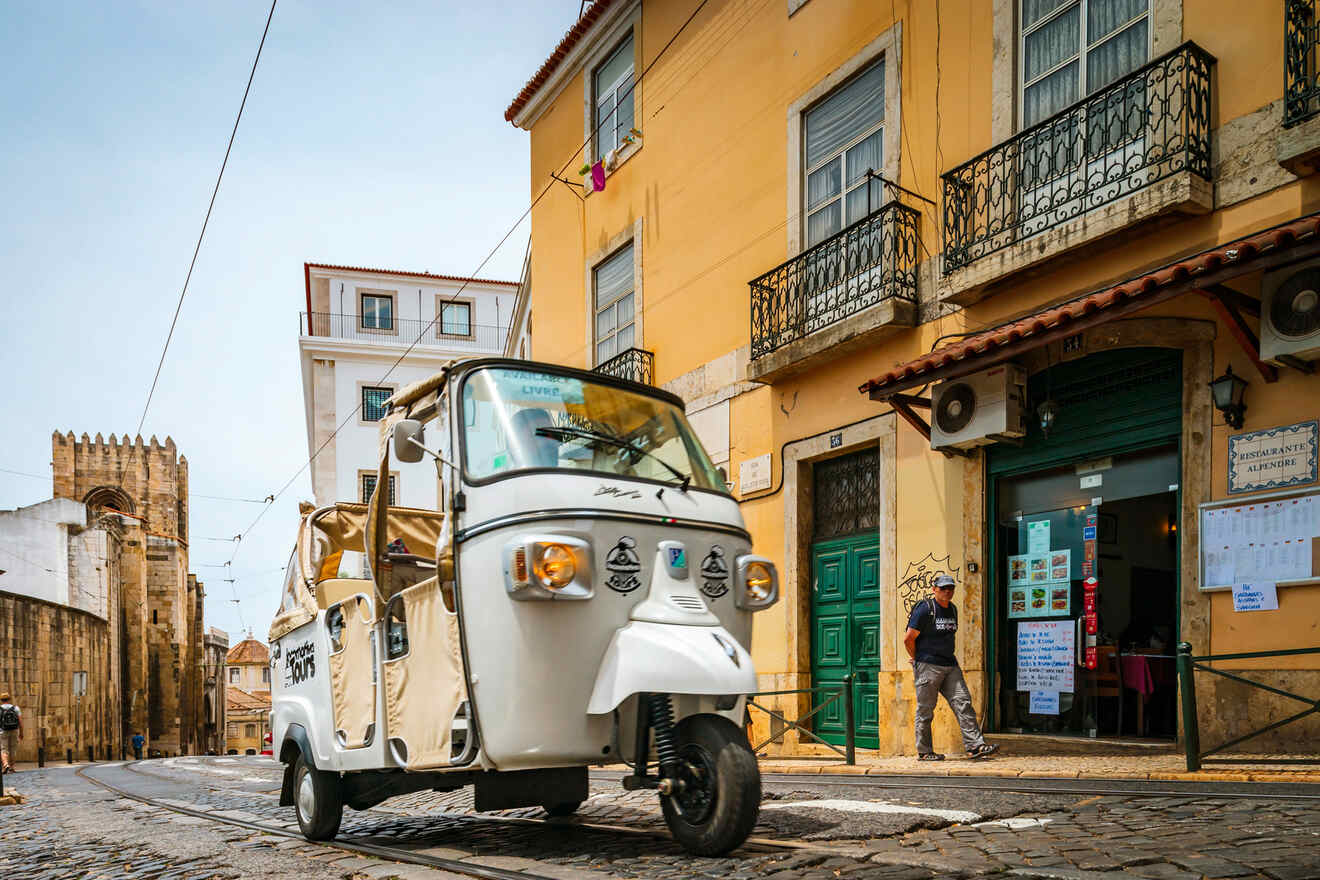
[(930, 756), (984, 750)]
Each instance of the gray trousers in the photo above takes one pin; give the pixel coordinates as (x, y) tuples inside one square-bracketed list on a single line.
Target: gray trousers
[(931, 681)]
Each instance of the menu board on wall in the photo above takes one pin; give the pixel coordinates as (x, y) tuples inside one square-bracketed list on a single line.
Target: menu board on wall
[(1275, 539)]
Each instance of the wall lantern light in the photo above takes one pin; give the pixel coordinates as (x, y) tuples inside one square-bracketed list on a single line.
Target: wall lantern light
[(1227, 393), (1047, 412)]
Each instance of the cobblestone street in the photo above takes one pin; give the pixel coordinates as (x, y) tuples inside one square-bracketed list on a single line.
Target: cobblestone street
[(813, 828)]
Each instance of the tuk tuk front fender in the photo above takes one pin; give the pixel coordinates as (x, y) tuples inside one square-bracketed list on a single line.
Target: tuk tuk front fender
[(667, 658)]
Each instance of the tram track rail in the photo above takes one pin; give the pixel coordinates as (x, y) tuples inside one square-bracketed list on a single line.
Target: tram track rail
[(1018, 785), (467, 869), (349, 845)]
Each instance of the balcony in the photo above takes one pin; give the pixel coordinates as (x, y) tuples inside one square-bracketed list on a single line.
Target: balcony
[(1136, 150), (836, 296), (1299, 142), (402, 332), (633, 364)]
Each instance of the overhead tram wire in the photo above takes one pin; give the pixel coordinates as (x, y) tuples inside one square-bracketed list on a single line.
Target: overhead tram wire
[(521, 217), (183, 293)]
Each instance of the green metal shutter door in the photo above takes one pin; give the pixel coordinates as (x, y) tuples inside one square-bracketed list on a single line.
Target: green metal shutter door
[(1108, 403)]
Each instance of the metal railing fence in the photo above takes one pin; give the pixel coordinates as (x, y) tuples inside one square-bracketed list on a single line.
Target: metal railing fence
[(403, 331), (1152, 123), (633, 364), (873, 260), (1301, 45), (843, 691), (1187, 665)]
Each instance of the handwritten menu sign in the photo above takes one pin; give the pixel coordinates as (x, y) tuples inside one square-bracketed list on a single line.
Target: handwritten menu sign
[(1273, 540), (1261, 596), (1045, 655)]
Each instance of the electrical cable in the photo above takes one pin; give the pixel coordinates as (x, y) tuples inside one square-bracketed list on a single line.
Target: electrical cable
[(525, 214), (206, 220)]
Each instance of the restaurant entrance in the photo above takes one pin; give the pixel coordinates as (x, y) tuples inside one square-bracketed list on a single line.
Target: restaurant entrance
[(1085, 548)]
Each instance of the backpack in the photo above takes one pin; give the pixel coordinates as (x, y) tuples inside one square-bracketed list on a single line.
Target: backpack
[(8, 718)]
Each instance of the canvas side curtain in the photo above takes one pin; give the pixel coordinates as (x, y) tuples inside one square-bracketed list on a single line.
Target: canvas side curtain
[(353, 690), (425, 686)]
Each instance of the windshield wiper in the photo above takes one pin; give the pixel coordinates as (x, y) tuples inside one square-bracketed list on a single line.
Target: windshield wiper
[(562, 434)]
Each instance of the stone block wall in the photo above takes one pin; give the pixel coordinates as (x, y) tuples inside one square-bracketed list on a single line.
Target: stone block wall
[(42, 646)]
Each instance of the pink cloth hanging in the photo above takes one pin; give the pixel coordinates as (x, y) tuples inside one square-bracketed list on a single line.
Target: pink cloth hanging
[(1136, 675), (598, 177)]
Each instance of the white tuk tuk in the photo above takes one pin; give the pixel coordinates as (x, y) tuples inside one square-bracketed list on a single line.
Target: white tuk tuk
[(582, 596)]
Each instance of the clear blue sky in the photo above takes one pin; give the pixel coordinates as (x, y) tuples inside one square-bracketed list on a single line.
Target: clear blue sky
[(374, 135)]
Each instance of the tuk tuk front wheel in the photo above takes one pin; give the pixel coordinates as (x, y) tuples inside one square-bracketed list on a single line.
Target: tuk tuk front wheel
[(560, 810), (317, 800), (720, 797)]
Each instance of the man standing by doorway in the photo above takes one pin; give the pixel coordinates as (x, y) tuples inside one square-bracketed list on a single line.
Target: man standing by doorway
[(138, 742), (11, 731), (931, 632)]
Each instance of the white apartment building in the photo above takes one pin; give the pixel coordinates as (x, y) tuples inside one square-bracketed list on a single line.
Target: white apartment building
[(357, 323)]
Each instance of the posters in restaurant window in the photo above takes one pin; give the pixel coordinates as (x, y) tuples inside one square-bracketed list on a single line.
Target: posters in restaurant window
[(1040, 584)]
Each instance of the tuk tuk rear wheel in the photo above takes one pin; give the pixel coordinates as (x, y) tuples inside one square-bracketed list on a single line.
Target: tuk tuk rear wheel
[(567, 808), (317, 801), (721, 794)]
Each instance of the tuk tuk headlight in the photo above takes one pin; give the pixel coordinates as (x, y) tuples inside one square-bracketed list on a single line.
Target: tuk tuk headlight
[(547, 567), (555, 567), (758, 583)]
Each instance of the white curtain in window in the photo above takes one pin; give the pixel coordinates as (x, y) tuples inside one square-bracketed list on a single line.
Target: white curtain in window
[(1055, 46), (612, 85), (614, 304), (1117, 56), (853, 109)]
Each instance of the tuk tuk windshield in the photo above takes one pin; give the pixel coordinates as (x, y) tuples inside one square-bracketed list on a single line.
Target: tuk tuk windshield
[(528, 419)]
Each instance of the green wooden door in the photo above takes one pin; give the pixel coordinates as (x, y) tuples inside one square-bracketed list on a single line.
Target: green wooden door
[(845, 632)]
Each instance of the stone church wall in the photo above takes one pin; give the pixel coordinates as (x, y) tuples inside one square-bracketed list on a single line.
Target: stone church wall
[(42, 646)]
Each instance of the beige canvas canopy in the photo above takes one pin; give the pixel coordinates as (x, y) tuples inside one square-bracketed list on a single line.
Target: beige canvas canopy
[(329, 532)]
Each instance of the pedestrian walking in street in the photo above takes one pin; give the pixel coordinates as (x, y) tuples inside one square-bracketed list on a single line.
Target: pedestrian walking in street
[(930, 637), (138, 742), (11, 730)]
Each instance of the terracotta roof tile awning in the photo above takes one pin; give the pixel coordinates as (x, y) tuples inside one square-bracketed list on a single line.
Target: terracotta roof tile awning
[(1282, 244), (571, 39)]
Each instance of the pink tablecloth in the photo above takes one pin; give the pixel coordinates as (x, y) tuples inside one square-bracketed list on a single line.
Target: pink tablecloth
[(1136, 674)]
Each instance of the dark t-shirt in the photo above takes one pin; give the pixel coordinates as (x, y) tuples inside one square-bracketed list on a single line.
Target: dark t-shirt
[(937, 626)]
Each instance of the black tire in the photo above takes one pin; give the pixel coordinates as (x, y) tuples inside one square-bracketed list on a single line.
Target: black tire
[(317, 801), (567, 808), (721, 798)]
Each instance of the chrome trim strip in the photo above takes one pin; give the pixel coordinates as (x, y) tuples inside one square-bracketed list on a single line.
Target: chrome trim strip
[(581, 513)]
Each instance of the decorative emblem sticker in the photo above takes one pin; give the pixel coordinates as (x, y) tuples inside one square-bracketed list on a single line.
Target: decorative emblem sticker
[(715, 573), (624, 566)]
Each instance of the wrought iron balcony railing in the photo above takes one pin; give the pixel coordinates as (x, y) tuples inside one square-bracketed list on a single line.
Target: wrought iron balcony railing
[(1147, 126), (872, 260), (403, 331), (1301, 43), (633, 364)]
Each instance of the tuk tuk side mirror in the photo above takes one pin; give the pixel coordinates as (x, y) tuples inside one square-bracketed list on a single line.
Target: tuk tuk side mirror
[(409, 436)]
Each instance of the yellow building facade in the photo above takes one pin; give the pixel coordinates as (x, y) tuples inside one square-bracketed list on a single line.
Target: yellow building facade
[(848, 233)]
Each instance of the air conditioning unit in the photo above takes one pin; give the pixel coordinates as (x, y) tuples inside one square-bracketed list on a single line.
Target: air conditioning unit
[(979, 409), (1290, 312)]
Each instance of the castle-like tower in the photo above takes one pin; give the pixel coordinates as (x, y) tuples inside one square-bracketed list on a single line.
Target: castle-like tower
[(160, 613)]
